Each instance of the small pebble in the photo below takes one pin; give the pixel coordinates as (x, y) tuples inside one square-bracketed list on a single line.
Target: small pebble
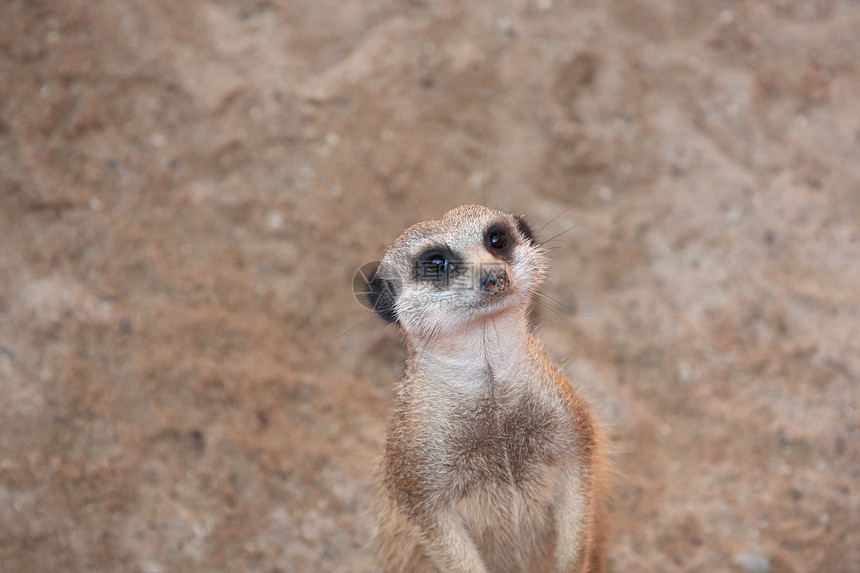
[(753, 562), (275, 220), (726, 17)]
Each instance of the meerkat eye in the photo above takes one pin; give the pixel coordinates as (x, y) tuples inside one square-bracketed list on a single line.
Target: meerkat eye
[(497, 239), (500, 240), (432, 265), (435, 264)]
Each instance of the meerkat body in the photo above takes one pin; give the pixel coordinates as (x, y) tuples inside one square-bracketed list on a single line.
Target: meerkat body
[(493, 462)]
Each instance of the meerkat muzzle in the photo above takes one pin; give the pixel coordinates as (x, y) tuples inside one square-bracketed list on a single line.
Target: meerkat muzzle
[(494, 281)]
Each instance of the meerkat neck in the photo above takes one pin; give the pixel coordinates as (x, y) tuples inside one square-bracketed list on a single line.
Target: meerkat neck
[(495, 345)]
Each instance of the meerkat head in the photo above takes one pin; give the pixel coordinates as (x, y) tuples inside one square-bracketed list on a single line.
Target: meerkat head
[(472, 264)]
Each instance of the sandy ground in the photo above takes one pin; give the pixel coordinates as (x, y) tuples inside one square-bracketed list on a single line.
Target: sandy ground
[(187, 381)]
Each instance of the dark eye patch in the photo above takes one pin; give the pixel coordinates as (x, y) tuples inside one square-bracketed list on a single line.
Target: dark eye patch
[(524, 229)]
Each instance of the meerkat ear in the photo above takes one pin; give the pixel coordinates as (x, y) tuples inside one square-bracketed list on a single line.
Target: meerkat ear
[(524, 228), (380, 293)]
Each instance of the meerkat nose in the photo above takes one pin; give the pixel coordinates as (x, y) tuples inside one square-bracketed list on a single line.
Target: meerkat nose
[(495, 281)]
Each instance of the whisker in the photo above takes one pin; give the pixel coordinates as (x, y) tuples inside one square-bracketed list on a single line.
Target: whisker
[(553, 219), (572, 227), (353, 327), (561, 305), (549, 307), (484, 179), (559, 309)]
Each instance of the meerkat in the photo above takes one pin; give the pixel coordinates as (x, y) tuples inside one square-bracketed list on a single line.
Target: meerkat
[(493, 462)]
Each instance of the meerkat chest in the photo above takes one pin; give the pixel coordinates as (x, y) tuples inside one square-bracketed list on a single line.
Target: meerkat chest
[(504, 440), (507, 464)]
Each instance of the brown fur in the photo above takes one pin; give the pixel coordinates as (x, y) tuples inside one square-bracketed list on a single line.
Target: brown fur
[(493, 462)]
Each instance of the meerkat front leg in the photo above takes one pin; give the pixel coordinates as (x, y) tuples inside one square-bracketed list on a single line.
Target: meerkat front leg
[(450, 547), (427, 544), (574, 536)]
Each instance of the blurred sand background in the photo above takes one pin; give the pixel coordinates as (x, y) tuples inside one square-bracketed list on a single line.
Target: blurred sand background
[(187, 382)]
